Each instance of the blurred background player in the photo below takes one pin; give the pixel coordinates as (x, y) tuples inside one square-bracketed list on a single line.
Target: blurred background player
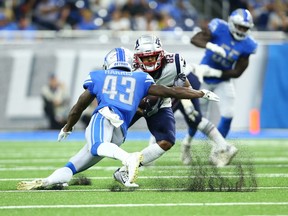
[(118, 94), (55, 102), (228, 48), (221, 153), (166, 69)]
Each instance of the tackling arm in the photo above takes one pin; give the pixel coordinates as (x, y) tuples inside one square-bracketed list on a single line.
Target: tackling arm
[(206, 71), (181, 92), (238, 70)]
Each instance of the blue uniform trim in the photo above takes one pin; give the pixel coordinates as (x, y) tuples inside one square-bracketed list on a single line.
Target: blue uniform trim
[(97, 133), (177, 61), (72, 167)]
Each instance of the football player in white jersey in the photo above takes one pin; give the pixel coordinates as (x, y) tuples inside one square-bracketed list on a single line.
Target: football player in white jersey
[(228, 48), (168, 69)]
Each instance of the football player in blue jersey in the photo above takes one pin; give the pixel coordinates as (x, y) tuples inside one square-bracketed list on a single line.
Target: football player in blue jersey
[(118, 92), (228, 48)]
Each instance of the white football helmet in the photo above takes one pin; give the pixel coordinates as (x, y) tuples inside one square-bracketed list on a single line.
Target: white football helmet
[(242, 18), (119, 58), (148, 46)]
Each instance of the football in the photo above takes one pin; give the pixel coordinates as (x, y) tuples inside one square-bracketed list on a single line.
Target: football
[(149, 100)]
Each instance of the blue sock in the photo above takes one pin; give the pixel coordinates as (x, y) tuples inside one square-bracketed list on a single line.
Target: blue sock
[(224, 126), (72, 167)]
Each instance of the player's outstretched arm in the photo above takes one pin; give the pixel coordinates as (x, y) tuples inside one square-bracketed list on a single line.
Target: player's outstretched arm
[(240, 66), (181, 92), (202, 39), (75, 113)]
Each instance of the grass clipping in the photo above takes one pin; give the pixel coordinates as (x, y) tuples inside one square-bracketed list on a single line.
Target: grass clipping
[(239, 178)]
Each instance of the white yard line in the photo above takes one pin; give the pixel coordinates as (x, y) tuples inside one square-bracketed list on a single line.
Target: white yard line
[(274, 175), (125, 189), (154, 168), (145, 205), (171, 158)]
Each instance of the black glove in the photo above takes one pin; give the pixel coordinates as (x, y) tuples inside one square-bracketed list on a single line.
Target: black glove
[(151, 107)]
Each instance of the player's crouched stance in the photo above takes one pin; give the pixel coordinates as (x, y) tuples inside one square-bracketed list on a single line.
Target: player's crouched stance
[(118, 94)]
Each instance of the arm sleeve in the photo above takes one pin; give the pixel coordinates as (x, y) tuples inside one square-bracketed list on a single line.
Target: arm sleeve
[(89, 84)]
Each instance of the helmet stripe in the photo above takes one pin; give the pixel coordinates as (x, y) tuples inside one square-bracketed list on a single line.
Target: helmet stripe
[(245, 15), (120, 54)]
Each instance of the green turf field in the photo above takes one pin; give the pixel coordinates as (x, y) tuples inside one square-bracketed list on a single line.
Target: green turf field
[(256, 183)]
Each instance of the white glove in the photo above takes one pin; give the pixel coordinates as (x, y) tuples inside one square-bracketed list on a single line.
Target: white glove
[(62, 135), (198, 71), (217, 49), (210, 95), (211, 72), (205, 71)]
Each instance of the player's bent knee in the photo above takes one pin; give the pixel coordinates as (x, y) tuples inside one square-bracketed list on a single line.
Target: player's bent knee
[(165, 145)]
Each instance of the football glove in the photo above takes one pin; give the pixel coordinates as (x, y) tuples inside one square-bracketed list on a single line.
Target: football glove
[(216, 49), (63, 135), (211, 72), (205, 71), (150, 109), (199, 71), (210, 95)]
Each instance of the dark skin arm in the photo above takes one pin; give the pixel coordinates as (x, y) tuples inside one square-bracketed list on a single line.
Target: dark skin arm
[(203, 37), (174, 92), (186, 86), (75, 113)]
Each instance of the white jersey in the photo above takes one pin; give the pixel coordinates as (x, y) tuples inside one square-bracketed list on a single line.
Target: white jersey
[(172, 71)]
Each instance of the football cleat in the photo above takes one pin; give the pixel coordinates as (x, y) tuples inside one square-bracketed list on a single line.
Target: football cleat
[(186, 156), (123, 178), (132, 164), (223, 157), (30, 185), (39, 184)]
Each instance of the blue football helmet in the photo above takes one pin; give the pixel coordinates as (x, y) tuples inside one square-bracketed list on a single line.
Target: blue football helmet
[(119, 58), (240, 22)]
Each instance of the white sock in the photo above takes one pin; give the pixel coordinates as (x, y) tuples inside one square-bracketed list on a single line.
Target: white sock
[(111, 150), (151, 153), (187, 140), (152, 140), (218, 140), (61, 175), (212, 132)]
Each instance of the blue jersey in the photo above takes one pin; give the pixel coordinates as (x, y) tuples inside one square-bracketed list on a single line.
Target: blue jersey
[(234, 48), (120, 90)]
